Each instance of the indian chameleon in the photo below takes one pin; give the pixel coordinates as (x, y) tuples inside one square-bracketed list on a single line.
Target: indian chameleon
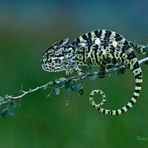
[(103, 48)]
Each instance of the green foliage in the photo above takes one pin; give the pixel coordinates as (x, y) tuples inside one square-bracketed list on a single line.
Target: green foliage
[(9, 110), (1, 99), (70, 85)]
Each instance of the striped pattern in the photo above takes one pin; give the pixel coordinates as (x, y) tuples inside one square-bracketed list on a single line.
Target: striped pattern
[(108, 47), (100, 47)]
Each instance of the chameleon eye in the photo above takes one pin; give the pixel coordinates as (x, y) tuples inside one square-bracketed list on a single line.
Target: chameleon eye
[(57, 60)]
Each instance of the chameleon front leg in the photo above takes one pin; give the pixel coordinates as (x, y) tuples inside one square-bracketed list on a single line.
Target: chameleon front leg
[(69, 71), (78, 70)]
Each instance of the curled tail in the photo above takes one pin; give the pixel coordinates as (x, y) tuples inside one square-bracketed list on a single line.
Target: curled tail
[(136, 69)]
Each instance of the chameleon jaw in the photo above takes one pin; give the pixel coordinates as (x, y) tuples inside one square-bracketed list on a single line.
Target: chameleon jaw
[(51, 70)]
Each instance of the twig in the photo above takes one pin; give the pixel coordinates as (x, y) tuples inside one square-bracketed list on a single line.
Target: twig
[(8, 98)]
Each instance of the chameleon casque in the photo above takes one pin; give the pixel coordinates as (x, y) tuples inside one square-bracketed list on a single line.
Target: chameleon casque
[(103, 48)]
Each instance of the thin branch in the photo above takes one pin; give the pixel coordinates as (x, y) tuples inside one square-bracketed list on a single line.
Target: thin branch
[(9, 98)]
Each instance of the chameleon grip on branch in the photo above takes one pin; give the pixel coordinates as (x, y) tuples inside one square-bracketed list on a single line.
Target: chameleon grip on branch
[(103, 48)]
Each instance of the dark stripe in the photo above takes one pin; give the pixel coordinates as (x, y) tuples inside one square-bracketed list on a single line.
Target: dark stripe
[(112, 48), (84, 37), (131, 55), (131, 102), (89, 35), (83, 55), (136, 65), (98, 33), (118, 37), (138, 76), (89, 61), (135, 97), (132, 44), (125, 46), (122, 110), (77, 41), (138, 83), (60, 42), (117, 112), (127, 106), (122, 59), (114, 60), (93, 106), (102, 66), (104, 111), (111, 112), (108, 59), (96, 58), (105, 43), (89, 39), (137, 91), (107, 35), (104, 62), (98, 109)]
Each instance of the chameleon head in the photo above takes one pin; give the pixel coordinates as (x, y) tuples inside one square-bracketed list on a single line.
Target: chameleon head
[(56, 58)]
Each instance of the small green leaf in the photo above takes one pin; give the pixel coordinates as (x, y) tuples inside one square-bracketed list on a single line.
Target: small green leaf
[(76, 87), (61, 85), (93, 77), (1, 99), (12, 104), (57, 91), (81, 91), (51, 92), (69, 92), (7, 112)]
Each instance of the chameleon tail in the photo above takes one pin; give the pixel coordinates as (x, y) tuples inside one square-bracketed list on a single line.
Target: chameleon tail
[(134, 66)]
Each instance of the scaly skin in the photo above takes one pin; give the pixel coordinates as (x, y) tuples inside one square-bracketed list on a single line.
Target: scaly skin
[(103, 48)]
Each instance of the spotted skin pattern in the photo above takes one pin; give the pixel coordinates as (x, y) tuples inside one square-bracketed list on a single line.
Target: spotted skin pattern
[(103, 48)]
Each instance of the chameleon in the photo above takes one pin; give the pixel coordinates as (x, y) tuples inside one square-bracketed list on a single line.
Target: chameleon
[(103, 48)]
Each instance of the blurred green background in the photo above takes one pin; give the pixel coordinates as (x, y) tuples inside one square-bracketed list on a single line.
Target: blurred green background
[(26, 29)]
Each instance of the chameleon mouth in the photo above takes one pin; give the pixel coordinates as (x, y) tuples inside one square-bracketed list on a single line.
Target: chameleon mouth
[(46, 68)]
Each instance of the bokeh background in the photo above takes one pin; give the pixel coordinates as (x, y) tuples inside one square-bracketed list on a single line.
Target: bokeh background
[(26, 29)]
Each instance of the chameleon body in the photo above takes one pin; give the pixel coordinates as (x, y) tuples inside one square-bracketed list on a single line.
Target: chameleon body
[(103, 48)]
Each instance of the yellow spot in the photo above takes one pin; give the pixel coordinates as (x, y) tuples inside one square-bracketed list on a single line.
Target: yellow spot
[(113, 34), (103, 33), (114, 112), (83, 44), (136, 94), (97, 41), (139, 80), (81, 39), (125, 109), (92, 34), (104, 52), (129, 104), (119, 111), (114, 44), (134, 100)]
